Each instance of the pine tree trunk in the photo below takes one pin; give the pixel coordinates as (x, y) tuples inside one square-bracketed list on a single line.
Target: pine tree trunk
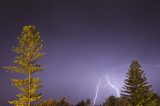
[(29, 84)]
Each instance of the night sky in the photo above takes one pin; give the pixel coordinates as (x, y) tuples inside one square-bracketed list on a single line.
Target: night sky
[(84, 40)]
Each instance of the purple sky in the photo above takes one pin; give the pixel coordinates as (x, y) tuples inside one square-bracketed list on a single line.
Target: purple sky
[(84, 41)]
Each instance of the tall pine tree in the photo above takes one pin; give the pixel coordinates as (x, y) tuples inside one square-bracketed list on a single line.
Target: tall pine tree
[(136, 88), (28, 52)]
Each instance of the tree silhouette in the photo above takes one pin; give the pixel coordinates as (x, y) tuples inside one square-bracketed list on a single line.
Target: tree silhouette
[(110, 101), (51, 102), (84, 103)]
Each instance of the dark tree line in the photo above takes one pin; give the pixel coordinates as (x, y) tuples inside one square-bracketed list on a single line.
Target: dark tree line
[(136, 90)]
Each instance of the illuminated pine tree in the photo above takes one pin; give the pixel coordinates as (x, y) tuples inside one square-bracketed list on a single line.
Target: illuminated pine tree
[(28, 52), (136, 88)]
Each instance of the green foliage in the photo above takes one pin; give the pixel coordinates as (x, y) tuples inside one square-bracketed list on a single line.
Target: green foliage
[(121, 101), (51, 102), (28, 52), (136, 88), (84, 103), (157, 98), (113, 101), (110, 101)]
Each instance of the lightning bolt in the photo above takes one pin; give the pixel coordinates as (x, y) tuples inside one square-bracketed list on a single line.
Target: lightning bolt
[(114, 87), (99, 86), (97, 90)]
